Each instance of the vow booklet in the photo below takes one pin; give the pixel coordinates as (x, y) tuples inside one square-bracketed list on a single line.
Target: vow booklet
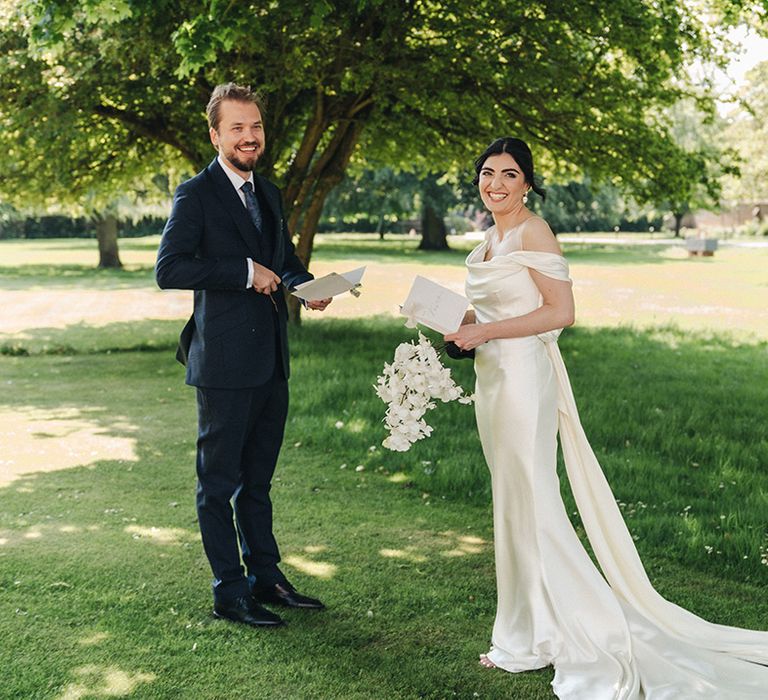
[(434, 306), (330, 285)]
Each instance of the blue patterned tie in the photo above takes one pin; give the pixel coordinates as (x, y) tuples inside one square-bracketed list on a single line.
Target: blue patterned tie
[(252, 205)]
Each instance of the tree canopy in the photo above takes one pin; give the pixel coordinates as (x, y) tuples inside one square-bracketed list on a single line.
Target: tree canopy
[(104, 96)]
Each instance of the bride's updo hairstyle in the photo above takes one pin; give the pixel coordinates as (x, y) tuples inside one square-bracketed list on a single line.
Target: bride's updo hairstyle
[(519, 150)]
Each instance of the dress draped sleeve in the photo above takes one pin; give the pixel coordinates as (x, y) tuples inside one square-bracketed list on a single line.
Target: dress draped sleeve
[(549, 264)]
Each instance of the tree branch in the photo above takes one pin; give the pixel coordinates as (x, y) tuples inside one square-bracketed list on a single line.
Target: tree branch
[(154, 129)]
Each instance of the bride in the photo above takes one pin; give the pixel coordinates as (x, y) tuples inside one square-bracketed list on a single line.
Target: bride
[(609, 636)]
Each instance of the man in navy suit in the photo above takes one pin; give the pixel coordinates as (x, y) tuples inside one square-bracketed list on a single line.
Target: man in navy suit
[(227, 240)]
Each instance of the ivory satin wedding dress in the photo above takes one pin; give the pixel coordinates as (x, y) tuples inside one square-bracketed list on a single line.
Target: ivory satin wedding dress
[(609, 636)]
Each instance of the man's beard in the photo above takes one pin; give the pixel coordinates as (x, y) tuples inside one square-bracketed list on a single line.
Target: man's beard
[(243, 165)]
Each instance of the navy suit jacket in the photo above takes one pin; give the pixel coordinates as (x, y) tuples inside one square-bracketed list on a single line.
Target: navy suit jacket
[(235, 336)]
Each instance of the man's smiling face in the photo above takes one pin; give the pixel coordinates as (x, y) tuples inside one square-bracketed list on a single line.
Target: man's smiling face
[(239, 135)]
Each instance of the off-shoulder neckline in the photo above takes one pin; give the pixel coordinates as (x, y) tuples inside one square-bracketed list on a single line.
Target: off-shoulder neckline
[(518, 252), (509, 255)]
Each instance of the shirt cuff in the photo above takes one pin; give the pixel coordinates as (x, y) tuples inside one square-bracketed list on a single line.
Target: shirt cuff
[(250, 273)]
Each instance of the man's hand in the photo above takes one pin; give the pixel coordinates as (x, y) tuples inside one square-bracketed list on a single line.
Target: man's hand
[(264, 280), (319, 305)]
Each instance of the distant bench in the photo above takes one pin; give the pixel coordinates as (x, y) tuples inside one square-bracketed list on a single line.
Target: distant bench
[(701, 246)]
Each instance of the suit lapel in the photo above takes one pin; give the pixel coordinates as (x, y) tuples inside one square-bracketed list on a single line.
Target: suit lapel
[(271, 197), (231, 202)]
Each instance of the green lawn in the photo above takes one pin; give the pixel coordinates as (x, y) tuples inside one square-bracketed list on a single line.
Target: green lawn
[(103, 583)]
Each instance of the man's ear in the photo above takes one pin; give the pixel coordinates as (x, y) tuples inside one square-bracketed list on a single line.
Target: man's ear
[(214, 137)]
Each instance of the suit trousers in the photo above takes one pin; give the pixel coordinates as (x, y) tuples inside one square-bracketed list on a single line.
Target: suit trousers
[(240, 432)]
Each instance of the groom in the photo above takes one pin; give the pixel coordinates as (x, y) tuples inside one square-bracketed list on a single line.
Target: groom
[(226, 239)]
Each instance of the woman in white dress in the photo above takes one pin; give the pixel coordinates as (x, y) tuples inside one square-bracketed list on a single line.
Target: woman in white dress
[(609, 635)]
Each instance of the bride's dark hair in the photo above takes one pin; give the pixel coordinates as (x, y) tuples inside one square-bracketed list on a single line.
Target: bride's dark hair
[(519, 150)]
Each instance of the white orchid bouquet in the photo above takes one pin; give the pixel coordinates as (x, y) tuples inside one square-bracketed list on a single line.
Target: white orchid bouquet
[(409, 386)]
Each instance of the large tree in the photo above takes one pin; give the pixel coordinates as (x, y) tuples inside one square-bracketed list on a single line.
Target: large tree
[(100, 94)]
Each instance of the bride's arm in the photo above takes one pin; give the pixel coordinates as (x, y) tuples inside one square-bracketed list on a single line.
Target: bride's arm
[(556, 311)]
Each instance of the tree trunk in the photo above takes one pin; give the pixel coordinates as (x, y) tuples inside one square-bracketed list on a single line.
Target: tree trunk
[(433, 231), (106, 234), (380, 227), (678, 223), (294, 308), (325, 174), (299, 168)]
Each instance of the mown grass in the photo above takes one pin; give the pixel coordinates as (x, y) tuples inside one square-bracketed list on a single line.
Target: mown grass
[(103, 583), (677, 420)]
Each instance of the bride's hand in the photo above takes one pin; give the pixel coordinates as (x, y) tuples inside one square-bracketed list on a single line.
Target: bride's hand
[(468, 337)]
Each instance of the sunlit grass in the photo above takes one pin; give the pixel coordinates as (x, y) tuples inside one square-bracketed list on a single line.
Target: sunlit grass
[(49, 440)]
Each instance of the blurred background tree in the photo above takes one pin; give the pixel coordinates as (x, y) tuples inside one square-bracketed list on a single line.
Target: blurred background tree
[(746, 132)]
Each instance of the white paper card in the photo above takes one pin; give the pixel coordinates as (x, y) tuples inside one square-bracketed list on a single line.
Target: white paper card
[(330, 285), (434, 306)]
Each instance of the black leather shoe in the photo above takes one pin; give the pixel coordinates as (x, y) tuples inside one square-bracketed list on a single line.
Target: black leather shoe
[(285, 594), (246, 611)]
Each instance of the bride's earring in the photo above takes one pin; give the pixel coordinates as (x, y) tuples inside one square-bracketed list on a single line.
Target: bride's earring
[(525, 197)]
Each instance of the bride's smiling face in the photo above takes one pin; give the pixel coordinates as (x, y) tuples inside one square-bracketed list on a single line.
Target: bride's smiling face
[(502, 184)]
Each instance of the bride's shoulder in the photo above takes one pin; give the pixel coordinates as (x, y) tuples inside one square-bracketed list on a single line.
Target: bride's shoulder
[(538, 236)]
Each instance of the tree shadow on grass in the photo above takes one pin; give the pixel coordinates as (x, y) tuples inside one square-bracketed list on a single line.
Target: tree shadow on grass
[(75, 276), (659, 406), (87, 339)]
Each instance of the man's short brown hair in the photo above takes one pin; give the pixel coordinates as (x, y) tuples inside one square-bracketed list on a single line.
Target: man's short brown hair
[(230, 91)]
